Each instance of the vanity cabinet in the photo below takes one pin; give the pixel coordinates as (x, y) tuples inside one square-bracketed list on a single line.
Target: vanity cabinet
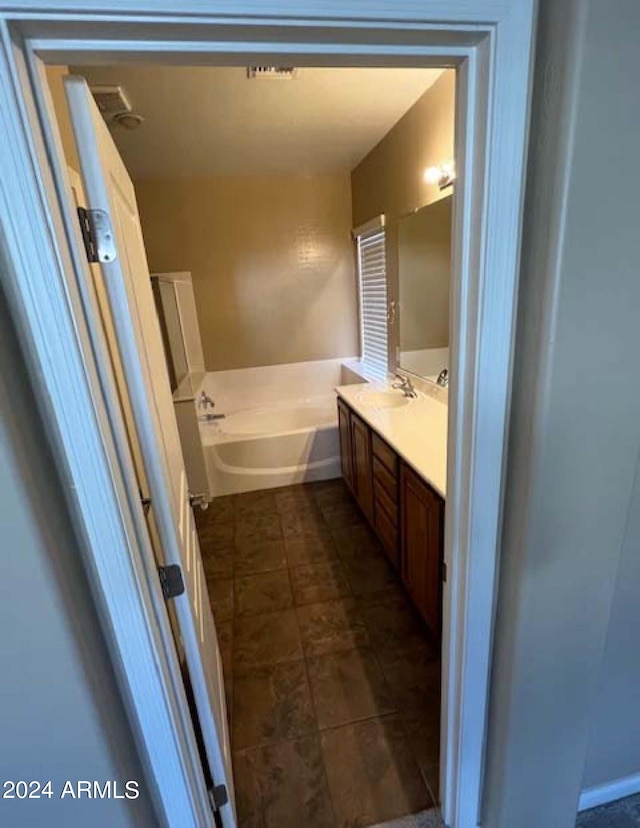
[(356, 457), (362, 464), (386, 497), (422, 546), (346, 449), (406, 514)]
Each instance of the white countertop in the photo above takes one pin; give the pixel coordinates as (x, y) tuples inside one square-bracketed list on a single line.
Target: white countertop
[(417, 431)]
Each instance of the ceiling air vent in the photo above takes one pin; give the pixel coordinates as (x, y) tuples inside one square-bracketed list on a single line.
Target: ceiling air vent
[(111, 101), (272, 72)]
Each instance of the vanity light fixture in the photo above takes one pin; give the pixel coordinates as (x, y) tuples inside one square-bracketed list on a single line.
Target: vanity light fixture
[(443, 175)]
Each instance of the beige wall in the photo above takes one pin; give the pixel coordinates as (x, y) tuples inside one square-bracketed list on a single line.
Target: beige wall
[(390, 179), (271, 259)]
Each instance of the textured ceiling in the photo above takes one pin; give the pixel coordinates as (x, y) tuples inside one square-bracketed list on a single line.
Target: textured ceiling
[(213, 121)]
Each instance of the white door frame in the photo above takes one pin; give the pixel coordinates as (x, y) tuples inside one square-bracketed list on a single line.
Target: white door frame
[(490, 43)]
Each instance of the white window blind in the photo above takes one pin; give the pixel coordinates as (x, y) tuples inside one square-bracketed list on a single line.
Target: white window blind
[(372, 273)]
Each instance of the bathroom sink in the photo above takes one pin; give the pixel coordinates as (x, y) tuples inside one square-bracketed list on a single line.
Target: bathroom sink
[(383, 399)]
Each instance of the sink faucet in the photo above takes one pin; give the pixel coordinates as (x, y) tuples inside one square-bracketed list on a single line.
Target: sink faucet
[(443, 378), (405, 385)]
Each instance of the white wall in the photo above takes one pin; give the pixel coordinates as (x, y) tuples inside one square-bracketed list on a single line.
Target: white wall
[(564, 680), (61, 716)]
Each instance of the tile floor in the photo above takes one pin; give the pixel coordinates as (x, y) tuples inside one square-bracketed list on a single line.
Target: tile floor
[(625, 813), (332, 681)]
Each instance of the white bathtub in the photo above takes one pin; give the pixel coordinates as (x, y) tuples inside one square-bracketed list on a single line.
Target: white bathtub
[(280, 427), (281, 419)]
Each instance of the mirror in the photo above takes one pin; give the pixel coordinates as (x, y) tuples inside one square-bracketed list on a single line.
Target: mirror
[(424, 270)]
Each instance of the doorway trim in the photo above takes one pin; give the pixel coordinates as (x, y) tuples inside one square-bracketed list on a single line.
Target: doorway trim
[(490, 44)]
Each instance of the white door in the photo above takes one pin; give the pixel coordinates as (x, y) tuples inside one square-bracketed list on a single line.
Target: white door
[(126, 276)]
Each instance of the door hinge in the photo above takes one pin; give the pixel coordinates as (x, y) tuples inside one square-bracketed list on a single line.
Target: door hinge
[(444, 572), (218, 796), (97, 235), (171, 580)]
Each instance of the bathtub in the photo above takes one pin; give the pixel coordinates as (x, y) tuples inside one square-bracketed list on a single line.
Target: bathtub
[(280, 426)]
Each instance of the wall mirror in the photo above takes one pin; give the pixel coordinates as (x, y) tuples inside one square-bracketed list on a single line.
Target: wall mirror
[(424, 271)]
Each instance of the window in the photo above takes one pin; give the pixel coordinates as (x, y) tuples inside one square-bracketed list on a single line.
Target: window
[(372, 278)]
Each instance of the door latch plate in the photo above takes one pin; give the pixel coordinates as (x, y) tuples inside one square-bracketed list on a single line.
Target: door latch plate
[(218, 796), (171, 580)]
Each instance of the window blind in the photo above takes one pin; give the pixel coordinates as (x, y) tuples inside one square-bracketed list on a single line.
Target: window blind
[(372, 273)]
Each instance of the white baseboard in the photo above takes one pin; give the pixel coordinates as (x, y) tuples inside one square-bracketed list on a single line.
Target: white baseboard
[(609, 792)]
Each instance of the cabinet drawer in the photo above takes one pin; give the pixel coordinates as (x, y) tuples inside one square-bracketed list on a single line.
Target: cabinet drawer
[(384, 478), (385, 454), (388, 534), (387, 503)]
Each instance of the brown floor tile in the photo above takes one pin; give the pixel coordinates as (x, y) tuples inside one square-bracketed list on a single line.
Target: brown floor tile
[(331, 493), (432, 776), (293, 497), (304, 550), (221, 598), (356, 542), (367, 655), (259, 555), (263, 592), (217, 563), (331, 627), (288, 783), (413, 674), (225, 642), (303, 523), (423, 733), (391, 620), (314, 583), (369, 575), (258, 528), (220, 511), (255, 505), (216, 536), (272, 638), (272, 704), (373, 776), (348, 687), (343, 515), (247, 791)]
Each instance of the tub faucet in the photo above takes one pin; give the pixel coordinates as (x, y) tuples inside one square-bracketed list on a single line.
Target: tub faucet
[(443, 378), (205, 401), (405, 385)]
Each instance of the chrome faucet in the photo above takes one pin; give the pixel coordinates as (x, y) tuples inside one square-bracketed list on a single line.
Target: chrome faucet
[(205, 401), (405, 385), (443, 378)]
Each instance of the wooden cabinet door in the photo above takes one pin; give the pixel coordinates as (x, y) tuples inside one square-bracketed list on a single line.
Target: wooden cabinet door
[(346, 449), (422, 546), (362, 464)]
